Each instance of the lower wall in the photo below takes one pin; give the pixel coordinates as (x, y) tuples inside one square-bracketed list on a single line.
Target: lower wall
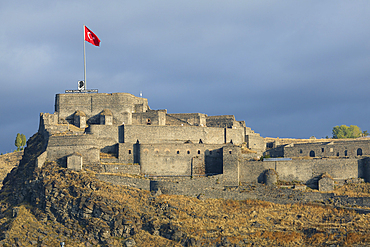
[(117, 168), (306, 171), (138, 183), (187, 186), (179, 159)]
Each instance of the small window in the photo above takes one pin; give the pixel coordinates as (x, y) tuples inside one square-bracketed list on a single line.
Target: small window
[(229, 151), (198, 151), (359, 151), (300, 151), (188, 151), (322, 150), (312, 153), (178, 152), (345, 153), (210, 152), (129, 151), (338, 154)]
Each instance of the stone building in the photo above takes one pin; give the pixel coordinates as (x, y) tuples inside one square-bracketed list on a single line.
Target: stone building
[(160, 143), (119, 132)]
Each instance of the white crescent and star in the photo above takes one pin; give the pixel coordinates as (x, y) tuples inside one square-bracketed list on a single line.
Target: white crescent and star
[(90, 36)]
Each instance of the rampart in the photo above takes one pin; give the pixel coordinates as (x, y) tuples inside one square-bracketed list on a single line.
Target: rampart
[(337, 148), (180, 159), (180, 134), (121, 104)]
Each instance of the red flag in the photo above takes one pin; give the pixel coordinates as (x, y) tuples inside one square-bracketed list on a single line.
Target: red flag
[(91, 37)]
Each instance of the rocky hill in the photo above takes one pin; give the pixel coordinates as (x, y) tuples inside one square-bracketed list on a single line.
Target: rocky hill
[(8, 162), (43, 207)]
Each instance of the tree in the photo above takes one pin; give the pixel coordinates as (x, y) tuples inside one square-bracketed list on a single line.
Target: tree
[(24, 141), (365, 133), (20, 141), (343, 131)]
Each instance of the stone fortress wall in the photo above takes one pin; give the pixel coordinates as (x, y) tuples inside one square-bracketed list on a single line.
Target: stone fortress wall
[(155, 143)]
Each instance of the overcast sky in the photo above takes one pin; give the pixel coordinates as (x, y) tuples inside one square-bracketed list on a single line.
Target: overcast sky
[(288, 68)]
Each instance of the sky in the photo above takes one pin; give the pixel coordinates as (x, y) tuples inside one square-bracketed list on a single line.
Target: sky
[(287, 68)]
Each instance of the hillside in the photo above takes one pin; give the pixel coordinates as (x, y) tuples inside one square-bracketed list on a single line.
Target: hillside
[(43, 207), (8, 162)]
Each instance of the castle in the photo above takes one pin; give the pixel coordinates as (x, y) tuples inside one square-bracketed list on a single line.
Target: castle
[(118, 132)]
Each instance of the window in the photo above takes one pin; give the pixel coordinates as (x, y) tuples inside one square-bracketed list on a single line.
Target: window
[(188, 151), (300, 151), (210, 152), (345, 153), (338, 154), (129, 151), (198, 151), (312, 153), (359, 151), (178, 152), (322, 150), (230, 152)]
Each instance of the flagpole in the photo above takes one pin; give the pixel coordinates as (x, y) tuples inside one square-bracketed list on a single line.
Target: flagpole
[(84, 60)]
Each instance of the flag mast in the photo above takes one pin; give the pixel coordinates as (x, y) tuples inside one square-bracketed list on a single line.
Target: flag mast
[(84, 58)]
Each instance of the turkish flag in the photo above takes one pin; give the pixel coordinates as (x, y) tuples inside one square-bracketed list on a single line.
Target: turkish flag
[(91, 37)]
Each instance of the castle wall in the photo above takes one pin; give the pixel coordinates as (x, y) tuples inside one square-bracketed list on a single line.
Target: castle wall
[(235, 134), (151, 117), (326, 149), (256, 142), (195, 119), (120, 168), (126, 152), (178, 159), (231, 165), (92, 104), (138, 183), (88, 145), (174, 134), (224, 121), (105, 131), (306, 171)]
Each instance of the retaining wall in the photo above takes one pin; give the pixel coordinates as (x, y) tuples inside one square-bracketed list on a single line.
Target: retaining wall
[(138, 183)]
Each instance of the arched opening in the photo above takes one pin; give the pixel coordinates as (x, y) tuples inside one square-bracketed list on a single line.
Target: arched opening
[(300, 151), (312, 153), (359, 151), (345, 153)]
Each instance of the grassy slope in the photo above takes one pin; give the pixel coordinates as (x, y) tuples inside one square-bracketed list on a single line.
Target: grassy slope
[(8, 162)]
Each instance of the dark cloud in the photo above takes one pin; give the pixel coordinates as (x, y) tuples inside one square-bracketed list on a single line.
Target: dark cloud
[(288, 68)]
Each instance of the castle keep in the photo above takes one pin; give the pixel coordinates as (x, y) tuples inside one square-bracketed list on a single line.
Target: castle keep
[(156, 142), (120, 133)]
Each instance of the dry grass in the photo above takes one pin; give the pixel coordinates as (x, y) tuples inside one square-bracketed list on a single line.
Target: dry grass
[(8, 162), (354, 190), (29, 231), (108, 155)]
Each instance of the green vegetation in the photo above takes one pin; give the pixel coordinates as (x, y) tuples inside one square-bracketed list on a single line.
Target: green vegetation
[(20, 141), (343, 131)]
